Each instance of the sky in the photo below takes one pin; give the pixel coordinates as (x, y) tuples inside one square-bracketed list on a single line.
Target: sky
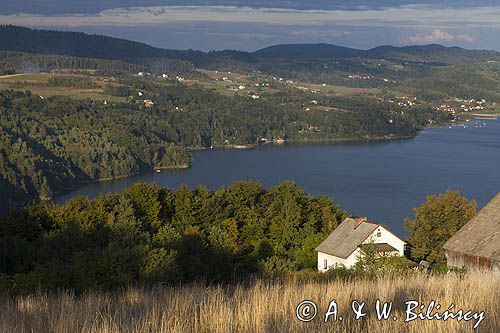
[(250, 25)]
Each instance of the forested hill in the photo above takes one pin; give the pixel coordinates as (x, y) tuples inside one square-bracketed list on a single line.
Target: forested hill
[(14, 38), (426, 53)]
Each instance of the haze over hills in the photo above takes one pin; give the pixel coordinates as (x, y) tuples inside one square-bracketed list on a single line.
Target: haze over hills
[(15, 38)]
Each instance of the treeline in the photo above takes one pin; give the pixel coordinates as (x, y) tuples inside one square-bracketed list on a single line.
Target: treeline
[(19, 62), (149, 235), (47, 145)]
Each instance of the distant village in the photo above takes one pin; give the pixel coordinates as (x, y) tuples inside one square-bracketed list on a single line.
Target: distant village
[(255, 85)]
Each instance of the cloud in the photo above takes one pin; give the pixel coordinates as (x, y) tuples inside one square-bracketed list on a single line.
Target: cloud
[(440, 36), (58, 7), (247, 28), (465, 38), (406, 16), (322, 33)]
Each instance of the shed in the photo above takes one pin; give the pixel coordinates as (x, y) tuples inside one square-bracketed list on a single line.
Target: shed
[(476, 245)]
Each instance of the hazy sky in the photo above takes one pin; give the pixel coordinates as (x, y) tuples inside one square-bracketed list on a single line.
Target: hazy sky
[(249, 25)]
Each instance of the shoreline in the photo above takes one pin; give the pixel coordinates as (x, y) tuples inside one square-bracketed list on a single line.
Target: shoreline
[(253, 146), (77, 184), (63, 194), (235, 147)]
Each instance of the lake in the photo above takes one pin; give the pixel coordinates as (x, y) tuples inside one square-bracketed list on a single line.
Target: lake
[(381, 180)]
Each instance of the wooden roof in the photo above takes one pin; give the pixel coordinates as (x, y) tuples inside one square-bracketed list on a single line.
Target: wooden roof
[(480, 237), (345, 239)]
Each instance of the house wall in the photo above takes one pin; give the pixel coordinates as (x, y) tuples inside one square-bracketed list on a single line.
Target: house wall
[(333, 261), (386, 237), (459, 260)]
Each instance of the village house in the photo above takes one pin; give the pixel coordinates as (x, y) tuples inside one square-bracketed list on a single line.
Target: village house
[(343, 246), (314, 129), (476, 246), (148, 103)]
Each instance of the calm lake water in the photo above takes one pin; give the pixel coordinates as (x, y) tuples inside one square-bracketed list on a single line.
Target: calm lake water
[(383, 180)]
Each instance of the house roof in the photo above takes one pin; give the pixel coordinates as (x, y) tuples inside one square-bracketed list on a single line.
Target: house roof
[(383, 247), (346, 238), (480, 237)]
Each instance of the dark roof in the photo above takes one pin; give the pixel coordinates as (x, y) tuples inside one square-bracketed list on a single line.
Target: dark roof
[(480, 237), (382, 247), (347, 237)]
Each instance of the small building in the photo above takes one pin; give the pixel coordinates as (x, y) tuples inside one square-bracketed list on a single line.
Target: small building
[(343, 246), (314, 129), (476, 246), (148, 103)]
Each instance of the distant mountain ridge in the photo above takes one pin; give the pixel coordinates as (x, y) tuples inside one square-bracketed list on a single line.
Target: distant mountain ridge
[(430, 52), (15, 38), (321, 50)]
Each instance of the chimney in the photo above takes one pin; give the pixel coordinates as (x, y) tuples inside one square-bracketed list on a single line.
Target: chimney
[(358, 221)]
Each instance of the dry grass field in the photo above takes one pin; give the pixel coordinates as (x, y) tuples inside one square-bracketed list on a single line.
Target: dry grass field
[(260, 307)]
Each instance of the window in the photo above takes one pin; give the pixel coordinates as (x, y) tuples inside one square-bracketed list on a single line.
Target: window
[(379, 234), (325, 264)]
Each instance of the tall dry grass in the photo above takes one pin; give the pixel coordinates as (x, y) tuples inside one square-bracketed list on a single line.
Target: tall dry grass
[(260, 307)]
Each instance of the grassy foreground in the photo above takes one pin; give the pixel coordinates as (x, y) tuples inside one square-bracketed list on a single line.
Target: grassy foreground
[(260, 307)]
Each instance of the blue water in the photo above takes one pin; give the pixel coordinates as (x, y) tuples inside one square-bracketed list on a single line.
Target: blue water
[(383, 180)]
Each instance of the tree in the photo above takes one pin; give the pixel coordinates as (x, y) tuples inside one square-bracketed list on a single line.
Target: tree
[(439, 218), (373, 262)]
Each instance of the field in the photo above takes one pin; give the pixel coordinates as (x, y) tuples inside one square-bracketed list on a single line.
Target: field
[(260, 307), (37, 83)]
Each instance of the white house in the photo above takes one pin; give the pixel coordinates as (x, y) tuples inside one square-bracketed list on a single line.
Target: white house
[(343, 245)]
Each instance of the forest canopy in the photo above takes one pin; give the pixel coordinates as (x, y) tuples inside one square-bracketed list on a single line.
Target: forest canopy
[(149, 235)]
